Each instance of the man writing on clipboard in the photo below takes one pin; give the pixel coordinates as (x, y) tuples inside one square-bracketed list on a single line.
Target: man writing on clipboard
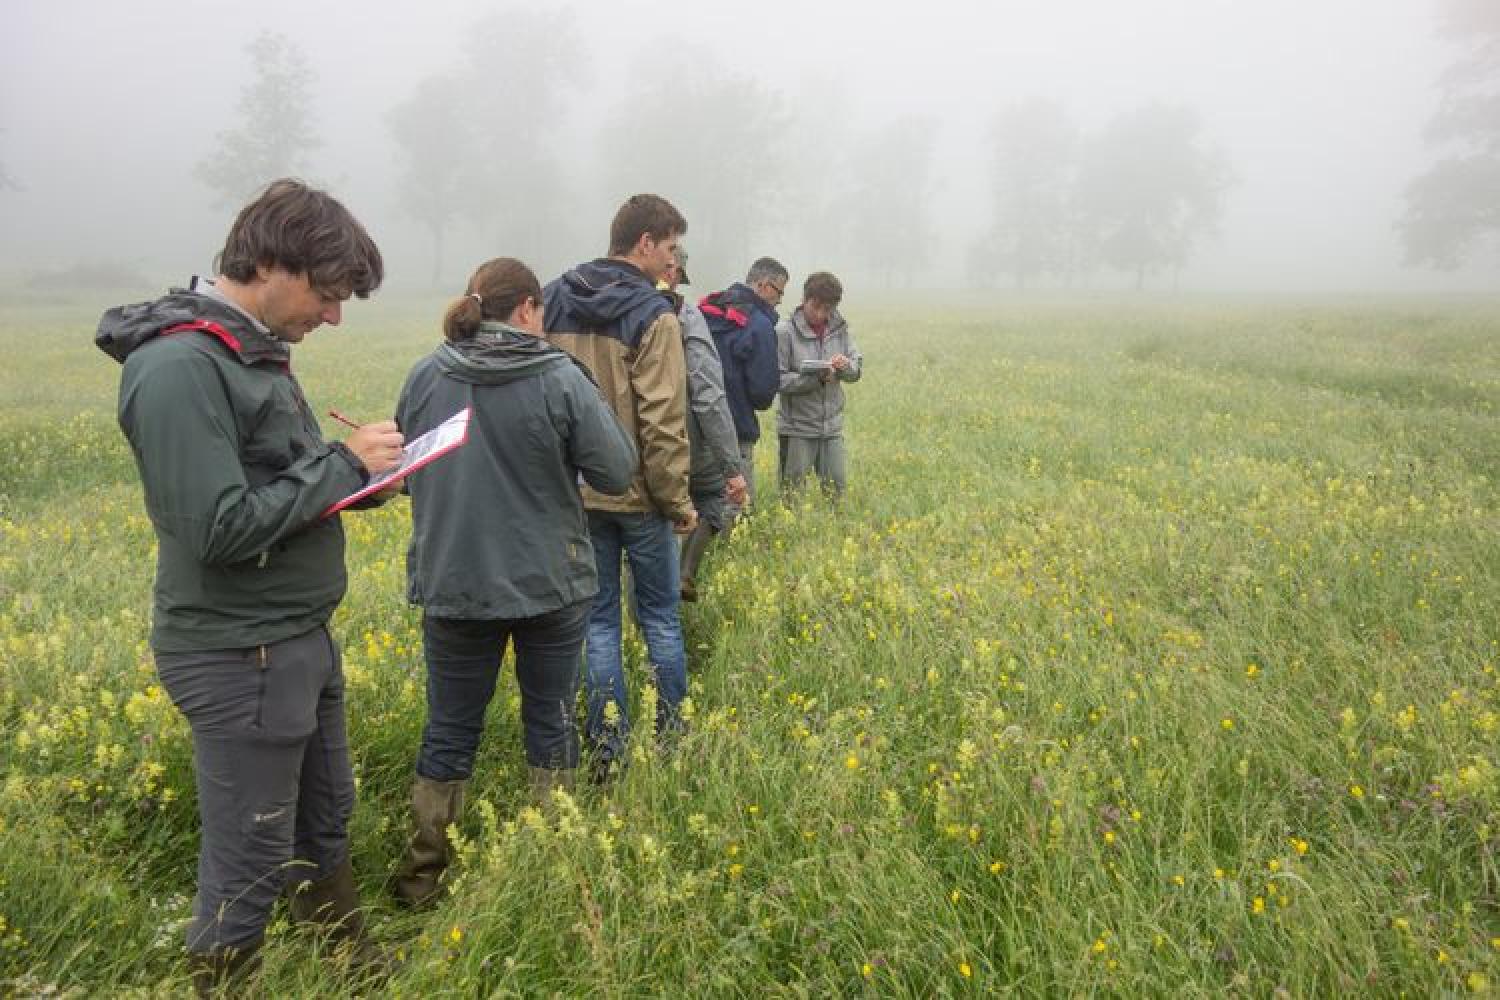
[(236, 476)]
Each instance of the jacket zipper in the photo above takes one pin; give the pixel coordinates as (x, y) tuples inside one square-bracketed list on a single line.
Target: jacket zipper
[(823, 356)]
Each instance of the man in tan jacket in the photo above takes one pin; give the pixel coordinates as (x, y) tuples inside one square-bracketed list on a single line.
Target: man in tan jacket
[(609, 314)]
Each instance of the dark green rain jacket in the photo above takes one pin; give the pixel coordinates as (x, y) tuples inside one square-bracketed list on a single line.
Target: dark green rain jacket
[(236, 475), (498, 526)]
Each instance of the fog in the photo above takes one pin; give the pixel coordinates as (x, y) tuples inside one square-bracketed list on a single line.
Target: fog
[(855, 138)]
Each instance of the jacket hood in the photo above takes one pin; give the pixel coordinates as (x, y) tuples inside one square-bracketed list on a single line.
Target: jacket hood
[(804, 328), (605, 294), (123, 329), (497, 354)]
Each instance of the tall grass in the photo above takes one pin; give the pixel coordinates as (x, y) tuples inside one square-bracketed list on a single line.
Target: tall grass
[(1152, 652)]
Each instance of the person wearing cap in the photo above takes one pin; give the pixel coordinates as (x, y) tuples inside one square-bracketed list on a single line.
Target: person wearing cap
[(500, 552), (817, 356), (237, 477), (716, 479), (610, 315)]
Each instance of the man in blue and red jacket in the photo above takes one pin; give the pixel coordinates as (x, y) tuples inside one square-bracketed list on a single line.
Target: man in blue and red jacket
[(743, 321)]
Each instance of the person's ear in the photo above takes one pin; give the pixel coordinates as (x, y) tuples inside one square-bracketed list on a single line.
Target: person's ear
[(529, 314)]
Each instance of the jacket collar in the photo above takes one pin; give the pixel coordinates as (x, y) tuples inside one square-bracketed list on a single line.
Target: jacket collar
[(804, 328), (742, 292)]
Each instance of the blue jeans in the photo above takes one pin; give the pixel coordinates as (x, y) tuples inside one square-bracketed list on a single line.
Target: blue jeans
[(646, 540), (463, 664)]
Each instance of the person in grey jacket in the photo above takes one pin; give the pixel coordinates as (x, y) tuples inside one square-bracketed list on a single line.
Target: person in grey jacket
[(816, 354), (500, 550), (715, 479)]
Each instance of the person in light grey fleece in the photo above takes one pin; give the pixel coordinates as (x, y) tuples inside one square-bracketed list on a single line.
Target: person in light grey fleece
[(816, 354), (716, 479)]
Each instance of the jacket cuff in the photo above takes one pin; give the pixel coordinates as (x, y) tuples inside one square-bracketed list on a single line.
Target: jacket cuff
[(342, 450)]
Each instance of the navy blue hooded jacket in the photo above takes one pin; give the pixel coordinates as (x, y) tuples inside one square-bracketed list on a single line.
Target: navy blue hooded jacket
[(744, 329), (606, 296)]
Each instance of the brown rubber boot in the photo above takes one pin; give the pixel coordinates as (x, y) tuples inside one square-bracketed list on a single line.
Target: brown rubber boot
[(225, 973), (544, 780), (331, 907), (435, 806), (693, 547)]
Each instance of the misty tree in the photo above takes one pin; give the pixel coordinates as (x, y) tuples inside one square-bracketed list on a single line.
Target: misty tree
[(1455, 205), (1149, 188), (1034, 147), (886, 210), (275, 131), (523, 62), (436, 142), (475, 141), (708, 142)]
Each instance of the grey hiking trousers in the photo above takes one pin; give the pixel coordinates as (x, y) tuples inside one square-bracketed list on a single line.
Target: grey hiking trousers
[(275, 787), (803, 458)]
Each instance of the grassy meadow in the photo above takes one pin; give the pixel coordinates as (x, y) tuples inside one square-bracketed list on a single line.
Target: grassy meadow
[(1153, 653)]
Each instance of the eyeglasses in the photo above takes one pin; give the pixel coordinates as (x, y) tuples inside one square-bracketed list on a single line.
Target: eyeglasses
[(780, 290)]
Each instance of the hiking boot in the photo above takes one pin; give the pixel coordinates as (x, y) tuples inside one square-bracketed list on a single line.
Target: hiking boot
[(224, 973), (330, 906), (546, 780), (603, 770)]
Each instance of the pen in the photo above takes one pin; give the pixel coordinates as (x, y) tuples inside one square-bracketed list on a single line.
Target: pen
[(335, 414)]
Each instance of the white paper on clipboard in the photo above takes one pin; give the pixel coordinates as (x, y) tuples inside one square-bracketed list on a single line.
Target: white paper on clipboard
[(418, 452)]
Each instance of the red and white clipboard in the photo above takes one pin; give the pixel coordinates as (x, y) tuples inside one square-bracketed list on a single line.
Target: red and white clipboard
[(419, 451)]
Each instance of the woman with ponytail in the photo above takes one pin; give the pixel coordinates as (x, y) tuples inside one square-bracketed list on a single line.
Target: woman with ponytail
[(500, 551)]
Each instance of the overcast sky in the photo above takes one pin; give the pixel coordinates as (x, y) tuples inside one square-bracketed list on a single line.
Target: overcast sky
[(1319, 106)]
